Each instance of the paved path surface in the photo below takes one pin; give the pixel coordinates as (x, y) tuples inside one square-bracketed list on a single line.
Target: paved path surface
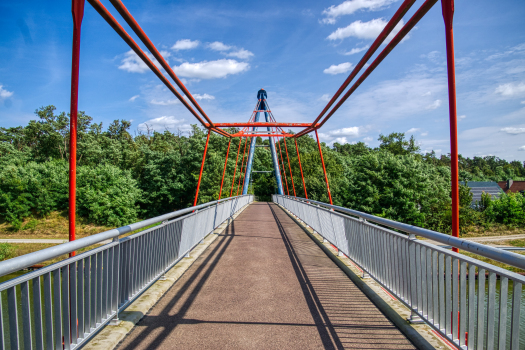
[(264, 284)]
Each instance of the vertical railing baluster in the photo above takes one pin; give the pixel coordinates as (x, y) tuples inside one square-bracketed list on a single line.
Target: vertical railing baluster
[(2, 328), (65, 308), (481, 308), (515, 320), (73, 302), (471, 305), (448, 296), (491, 311), (57, 303), (455, 299), (502, 326), (441, 279), (13, 318), (462, 302), (80, 301), (93, 292), (26, 315), (87, 296), (99, 287), (48, 311)]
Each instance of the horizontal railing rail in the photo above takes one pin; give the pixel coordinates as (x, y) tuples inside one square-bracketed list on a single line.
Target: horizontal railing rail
[(61, 306), (447, 290)]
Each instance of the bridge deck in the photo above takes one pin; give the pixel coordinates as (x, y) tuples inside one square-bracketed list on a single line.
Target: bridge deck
[(264, 284)]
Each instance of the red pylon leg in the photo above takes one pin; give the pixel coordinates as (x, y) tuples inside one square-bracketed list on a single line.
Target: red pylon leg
[(78, 13), (289, 166), (202, 167), (301, 168), (324, 168), (225, 163), (235, 169), (448, 15), (284, 169), (243, 173)]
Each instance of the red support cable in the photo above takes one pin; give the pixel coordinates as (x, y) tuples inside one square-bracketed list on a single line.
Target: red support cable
[(300, 167), (202, 167), (77, 10), (235, 169), (225, 163), (289, 166), (243, 173), (405, 6), (448, 15), (284, 169), (324, 168)]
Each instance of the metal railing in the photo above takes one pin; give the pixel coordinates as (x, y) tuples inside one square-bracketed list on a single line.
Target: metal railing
[(448, 290), (61, 306)]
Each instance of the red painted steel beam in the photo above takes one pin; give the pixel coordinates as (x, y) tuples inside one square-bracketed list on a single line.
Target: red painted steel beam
[(261, 135), (427, 5), (144, 38), (301, 168), (284, 169), (125, 36), (202, 167), (225, 163), (255, 124), (245, 166), (324, 168), (405, 6), (236, 161), (289, 166), (77, 10), (221, 132), (448, 16)]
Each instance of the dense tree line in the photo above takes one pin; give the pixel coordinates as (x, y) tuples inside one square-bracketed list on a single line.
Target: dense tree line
[(123, 177)]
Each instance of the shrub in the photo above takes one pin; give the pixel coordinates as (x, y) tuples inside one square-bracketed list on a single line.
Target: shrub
[(508, 209), (6, 251)]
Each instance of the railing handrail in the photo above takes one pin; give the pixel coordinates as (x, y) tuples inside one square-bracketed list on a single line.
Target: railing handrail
[(27, 260), (500, 255)]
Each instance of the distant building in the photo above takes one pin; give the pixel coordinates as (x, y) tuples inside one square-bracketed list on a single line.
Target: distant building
[(478, 187), (512, 186)]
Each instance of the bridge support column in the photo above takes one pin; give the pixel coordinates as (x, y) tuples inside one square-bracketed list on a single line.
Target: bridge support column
[(300, 167), (324, 168), (448, 15), (202, 167), (77, 9)]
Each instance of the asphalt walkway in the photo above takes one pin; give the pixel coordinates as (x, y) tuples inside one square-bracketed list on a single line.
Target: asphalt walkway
[(264, 284)]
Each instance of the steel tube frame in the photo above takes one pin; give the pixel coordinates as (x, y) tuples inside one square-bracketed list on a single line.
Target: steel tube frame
[(253, 124), (301, 168), (245, 167), (448, 16), (289, 166), (77, 10), (225, 163), (324, 168), (235, 169), (241, 173), (284, 169), (202, 167)]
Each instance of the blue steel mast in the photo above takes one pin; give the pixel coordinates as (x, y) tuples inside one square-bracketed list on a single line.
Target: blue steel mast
[(262, 106)]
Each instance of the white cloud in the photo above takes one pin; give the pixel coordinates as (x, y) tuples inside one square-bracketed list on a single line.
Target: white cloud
[(164, 123), (424, 133), (218, 46), (339, 68), (356, 50), (522, 148), (412, 130), (325, 98), (350, 132), (133, 63), (340, 140), (242, 54), (513, 131), (348, 7), (365, 30), (434, 104), (164, 103), (511, 89), (461, 117), (203, 97), (4, 93), (368, 139), (211, 69), (185, 44), (133, 98)]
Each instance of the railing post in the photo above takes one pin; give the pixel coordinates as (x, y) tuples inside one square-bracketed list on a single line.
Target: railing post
[(324, 168), (202, 167), (78, 13), (448, 15), (116, 284)]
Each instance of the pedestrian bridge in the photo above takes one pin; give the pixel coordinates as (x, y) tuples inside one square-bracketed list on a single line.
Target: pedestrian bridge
[(264, 283)]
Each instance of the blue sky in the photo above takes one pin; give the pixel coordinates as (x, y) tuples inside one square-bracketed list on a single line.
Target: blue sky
[(300, 52)]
